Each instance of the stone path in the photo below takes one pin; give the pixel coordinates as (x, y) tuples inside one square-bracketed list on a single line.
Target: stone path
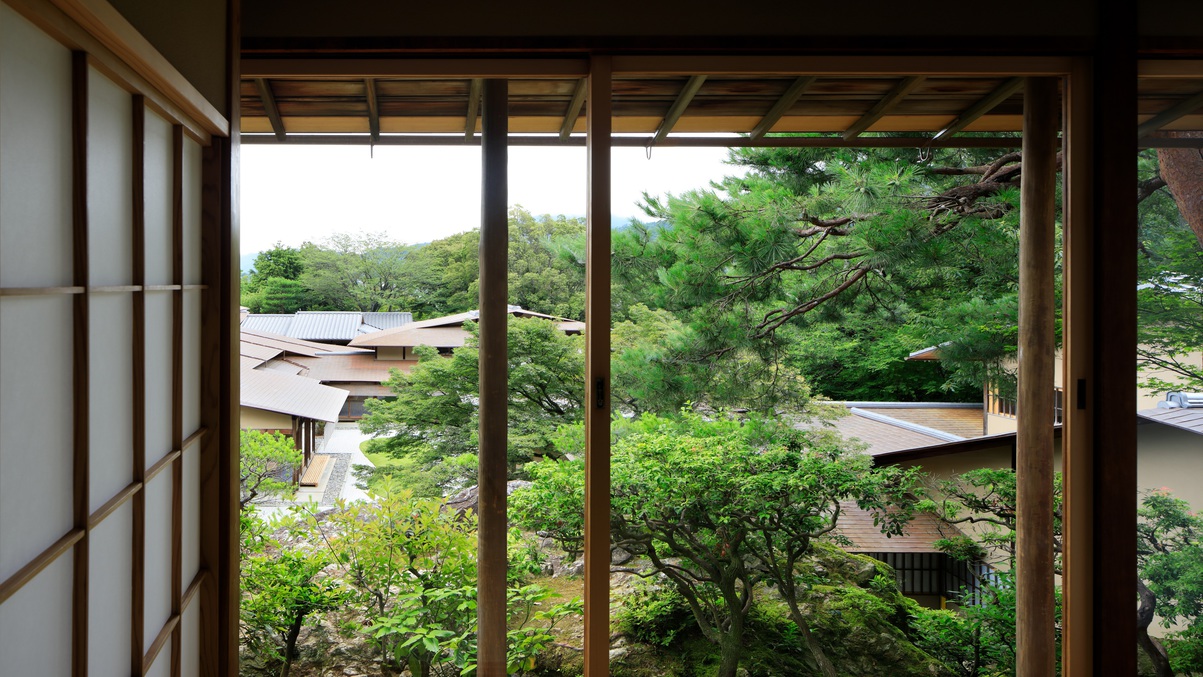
[(345, 438)]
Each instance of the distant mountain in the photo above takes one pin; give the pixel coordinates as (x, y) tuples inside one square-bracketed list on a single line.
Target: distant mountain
[(247, 262)]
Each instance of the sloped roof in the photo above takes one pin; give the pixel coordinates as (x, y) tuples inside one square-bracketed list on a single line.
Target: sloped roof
[(271, 323), (256, 352), (287, 394), (325, 326), (921, 532), (882, 437), (1187, 419), (411, 336), (294, 346), (345, 368), (377, 321), (960, 421)]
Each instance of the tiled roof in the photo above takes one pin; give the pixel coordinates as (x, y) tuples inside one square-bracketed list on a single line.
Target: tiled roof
[(1186, 419), (882, 437), (292, 395), (377, 321), (389, 337), (274, 324), (921, 532), (257, 352), (324, 326)]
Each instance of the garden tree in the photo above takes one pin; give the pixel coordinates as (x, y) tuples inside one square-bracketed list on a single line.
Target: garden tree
[(277, 295), (412, 565), (281, 591), (266, 465), (653, 371), (279, 261), (719, 507), (545, 273), (1169, 559), (1170, 265), (355, 272), (812, 236), (434, 417)]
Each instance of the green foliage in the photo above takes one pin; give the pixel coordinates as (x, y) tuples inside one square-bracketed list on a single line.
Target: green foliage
[(266, 465), (281, 591), (434, 416), (1170, 298), (1170, 557), (718, 507), (654, 614)]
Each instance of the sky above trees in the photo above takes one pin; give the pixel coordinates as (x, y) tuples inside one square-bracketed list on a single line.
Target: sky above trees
[(420, 194)]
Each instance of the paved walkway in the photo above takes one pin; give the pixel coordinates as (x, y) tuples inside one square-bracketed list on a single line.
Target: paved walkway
[(345, 439)]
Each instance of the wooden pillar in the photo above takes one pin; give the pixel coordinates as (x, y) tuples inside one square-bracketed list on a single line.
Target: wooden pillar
[(1034, 609), (597, 375), (494, 387), (1113, 391)]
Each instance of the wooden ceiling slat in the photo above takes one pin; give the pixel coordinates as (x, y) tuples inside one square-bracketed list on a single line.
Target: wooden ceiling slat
[(574, 108), (473, 107), (1170, 114), (269, 105), (678, 108), (887, 103), (1005, 91), (373, 109), (786, 102)]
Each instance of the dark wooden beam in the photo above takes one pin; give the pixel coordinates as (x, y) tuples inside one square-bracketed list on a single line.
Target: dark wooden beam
[(1170, 114), (373, 109), (494, 385), (678, 108), (885, 105), (597, 374), (644, 141), (269, 105), (574, 108), (80, 361), (473, 107), (787, 101), (985, 105), (1034, 610)]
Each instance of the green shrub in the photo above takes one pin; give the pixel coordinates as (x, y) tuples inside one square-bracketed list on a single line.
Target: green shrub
[(654, 614)]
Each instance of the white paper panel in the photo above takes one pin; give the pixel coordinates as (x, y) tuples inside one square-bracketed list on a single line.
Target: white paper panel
[(111, 395), (35, 156), (35, 426), (158, 554), (192, 361), (158, 181), (35, 624), (192, 211), (110, 137), (109, 563), (158, 375), (190, 522), (162, 665), (190, 640)]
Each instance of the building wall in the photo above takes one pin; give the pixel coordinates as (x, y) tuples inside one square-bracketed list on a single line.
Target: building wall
[(259, 419), (404, 356), (1170, 458)]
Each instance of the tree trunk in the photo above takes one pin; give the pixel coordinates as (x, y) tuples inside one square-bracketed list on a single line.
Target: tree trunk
[(1144, 618), (1182, 169), (731, 647), (812, 642), (290, 644)]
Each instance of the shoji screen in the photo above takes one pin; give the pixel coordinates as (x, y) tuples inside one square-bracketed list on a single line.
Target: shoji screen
[(100, 367)]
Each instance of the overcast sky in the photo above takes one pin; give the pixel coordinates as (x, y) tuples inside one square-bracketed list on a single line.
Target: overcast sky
[(417, 194)]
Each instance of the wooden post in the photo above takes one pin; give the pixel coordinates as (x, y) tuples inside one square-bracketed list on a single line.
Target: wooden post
[(494, 386), (597, 375), (1034, 608), (1112, 394)]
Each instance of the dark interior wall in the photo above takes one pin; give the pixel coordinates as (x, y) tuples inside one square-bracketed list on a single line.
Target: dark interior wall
[(191, 34), (641, 18)]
